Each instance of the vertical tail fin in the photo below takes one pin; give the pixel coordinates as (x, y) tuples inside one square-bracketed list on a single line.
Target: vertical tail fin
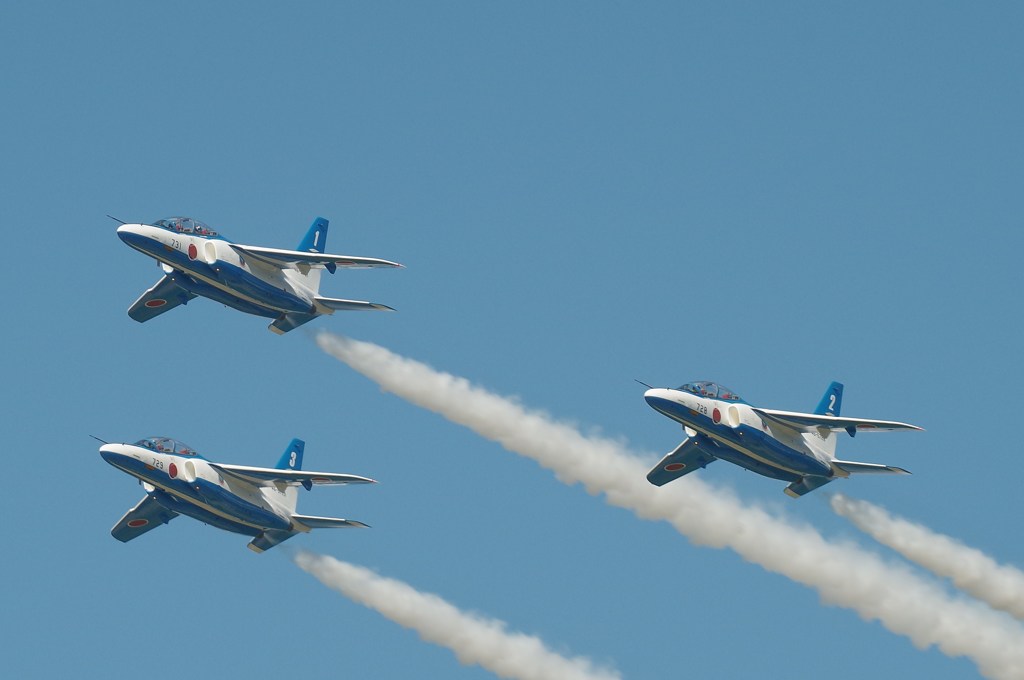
[(830, 405), (316, 238), (314, 241), (832, 401), (291, 459)]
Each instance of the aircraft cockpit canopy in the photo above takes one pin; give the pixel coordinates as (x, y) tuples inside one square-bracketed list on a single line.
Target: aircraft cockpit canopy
[(711, 390), (185, 225), (166, 445)]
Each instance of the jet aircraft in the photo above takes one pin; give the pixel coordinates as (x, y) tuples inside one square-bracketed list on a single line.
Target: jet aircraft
[(279, 284), (795, 447), (254, 501)]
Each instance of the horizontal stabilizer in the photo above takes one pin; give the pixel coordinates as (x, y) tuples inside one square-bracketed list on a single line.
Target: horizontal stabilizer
[(686, 458), (328, 522), (869, 468), (146, 515), (267, 476), (813, 421), (280, 256), (164, 296), (327, 305)]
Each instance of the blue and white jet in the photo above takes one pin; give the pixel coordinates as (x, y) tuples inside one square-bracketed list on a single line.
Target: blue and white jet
[(795, 447), (279, 284), (255, 501)]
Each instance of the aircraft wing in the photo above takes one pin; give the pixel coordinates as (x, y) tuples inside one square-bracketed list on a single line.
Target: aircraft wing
[(811, 421), (686, 458), (148, 514), (265, 476), (278, 257), (163, 296)]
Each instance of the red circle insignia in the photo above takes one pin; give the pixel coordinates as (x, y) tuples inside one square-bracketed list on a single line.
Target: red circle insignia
[(193, 252), (172, 470), (136, 523), (716, 415), (156, 302), (674, 467)]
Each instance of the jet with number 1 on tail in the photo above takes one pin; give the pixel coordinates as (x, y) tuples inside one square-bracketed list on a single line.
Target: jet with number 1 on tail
[(255, 501), (283, 285), (795, 447)]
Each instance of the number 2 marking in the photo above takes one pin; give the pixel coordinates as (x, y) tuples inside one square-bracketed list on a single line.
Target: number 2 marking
[(831, 402)]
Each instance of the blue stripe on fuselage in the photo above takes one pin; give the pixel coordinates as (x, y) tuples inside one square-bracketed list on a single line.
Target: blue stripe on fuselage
[(221, 499), (198, 287), (205, 516), (750, 448)]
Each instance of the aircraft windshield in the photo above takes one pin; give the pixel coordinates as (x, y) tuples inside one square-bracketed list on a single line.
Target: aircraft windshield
[(166, 445), (185, 225), (711, 390)]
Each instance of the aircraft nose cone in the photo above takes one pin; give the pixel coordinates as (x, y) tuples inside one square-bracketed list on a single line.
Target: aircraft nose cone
[(133, 234), (126, 231), (661, 400), (111, 453), (654, 396)]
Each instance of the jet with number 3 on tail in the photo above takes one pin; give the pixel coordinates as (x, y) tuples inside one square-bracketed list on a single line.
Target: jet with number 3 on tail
[(798, 448), (255, 501), (279, 284)]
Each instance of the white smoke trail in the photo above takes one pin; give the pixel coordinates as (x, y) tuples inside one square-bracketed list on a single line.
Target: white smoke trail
[(474, 639), (974, 572), (844, 575)]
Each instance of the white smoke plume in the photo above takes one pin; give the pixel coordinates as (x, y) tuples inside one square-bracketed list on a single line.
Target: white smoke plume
[(974, 572), (843, 574), (474, 639)]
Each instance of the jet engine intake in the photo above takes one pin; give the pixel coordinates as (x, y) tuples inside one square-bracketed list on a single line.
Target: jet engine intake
[(732, 416)]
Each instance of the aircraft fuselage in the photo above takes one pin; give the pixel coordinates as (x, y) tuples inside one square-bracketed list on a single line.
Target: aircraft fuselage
[(189, 486), (738, 435), (207, 266)]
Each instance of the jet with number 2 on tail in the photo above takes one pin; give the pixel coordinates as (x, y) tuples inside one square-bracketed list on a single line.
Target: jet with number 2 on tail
[(255, 501), (279, 284), (798, 448)]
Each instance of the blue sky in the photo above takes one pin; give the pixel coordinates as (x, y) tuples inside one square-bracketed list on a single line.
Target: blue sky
[(583, 194)]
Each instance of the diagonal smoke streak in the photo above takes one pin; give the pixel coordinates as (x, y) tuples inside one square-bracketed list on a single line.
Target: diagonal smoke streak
[(844, 575), (474, 639), (971, 570)]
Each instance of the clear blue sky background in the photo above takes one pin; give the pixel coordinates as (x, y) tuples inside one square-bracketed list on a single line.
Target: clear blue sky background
[(772, 197)]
